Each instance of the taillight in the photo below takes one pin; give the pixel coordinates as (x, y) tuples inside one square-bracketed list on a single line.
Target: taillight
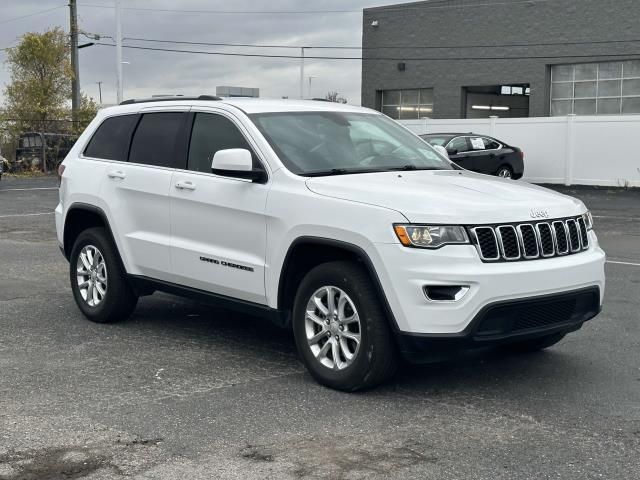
[(521, 154), (61, 168)]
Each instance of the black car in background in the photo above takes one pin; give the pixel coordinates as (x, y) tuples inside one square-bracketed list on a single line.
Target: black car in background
[(480, 153)]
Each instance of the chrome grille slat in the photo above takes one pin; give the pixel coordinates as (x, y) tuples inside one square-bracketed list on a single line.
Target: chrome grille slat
[(508, 241), (547, 239), (574, 235), (584, 235), (530, 240), (486, 237), (562, 238)]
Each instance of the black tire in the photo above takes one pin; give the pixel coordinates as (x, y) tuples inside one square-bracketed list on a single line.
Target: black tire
[(536, 344), (504, 171), (120, 299), (376, 359)]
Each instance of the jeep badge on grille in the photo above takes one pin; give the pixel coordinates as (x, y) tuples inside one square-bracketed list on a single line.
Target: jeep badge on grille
[(539, 213)]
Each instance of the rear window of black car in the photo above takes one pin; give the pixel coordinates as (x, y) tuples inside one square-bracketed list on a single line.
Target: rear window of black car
[(111, 139)]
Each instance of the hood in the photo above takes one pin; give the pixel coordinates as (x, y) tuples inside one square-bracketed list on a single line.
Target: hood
[(449, 196)]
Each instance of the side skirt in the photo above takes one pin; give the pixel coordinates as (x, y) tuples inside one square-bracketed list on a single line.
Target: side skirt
[(146, 286)]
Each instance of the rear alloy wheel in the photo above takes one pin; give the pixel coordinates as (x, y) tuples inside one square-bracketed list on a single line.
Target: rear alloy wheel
[(504, 172), (98, 280), (341, 329), (91, 275)]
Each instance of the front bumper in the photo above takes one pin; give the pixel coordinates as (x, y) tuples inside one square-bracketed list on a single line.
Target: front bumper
[(404, 272), (506, 322)]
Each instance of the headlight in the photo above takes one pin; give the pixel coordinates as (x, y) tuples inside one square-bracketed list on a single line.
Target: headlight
[(588, 220), (430, 236)]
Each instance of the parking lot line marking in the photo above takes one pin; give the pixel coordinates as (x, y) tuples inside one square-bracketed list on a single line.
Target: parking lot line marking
[(27, 189), (624, 263), (26, 215)]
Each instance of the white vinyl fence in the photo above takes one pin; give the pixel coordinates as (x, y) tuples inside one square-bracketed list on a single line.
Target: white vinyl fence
[(573, 150)]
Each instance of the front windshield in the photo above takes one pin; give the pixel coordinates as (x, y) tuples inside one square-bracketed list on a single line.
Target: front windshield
[(326, 143)]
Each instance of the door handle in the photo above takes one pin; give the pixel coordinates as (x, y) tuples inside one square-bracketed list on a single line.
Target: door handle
[(116, 174), (185, 186)]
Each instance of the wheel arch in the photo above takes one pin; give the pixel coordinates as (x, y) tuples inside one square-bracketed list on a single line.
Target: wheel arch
[(505, 163), (307, 252), (80, 217)]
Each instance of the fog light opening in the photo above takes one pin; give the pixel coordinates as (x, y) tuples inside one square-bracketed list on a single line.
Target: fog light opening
[(445, 293)]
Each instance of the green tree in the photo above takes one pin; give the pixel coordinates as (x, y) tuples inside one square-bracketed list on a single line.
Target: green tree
[(40, 87), (88, 110)]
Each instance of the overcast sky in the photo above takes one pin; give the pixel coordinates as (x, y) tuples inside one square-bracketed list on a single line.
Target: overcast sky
[(168, 73)]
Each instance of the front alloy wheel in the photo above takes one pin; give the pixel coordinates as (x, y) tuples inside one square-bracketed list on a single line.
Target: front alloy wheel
[(332, 326), (341, 329)]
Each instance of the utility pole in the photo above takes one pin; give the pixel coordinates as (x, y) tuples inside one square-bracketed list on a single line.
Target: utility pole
[(75, 83), (118, 51), (311, 77), (302, 73), (100, 90)]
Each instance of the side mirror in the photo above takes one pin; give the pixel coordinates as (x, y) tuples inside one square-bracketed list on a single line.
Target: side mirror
[(452, 151), (441, 150), (236, 163)]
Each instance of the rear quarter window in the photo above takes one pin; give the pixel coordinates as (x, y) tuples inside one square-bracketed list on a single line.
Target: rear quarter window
[(111, 140), (490, 144)]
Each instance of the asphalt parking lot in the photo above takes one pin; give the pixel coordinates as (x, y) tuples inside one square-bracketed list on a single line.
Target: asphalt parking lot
[(184, 391)]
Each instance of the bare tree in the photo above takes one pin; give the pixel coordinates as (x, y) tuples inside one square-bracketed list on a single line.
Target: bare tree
[(334, 96)]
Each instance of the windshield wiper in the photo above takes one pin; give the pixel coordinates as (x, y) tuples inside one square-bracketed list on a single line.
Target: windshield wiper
[(349, 171), (409, 168), (326, 173)]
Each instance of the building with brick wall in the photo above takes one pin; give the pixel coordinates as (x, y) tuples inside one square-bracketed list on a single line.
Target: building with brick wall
[(478, 58)]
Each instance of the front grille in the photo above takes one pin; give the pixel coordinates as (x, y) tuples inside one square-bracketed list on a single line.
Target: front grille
[(530, 241)]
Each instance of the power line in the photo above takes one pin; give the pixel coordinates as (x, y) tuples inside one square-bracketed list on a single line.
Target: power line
[(33, 14), (405, 47), (316, 12), (229, 54), (223, 12)]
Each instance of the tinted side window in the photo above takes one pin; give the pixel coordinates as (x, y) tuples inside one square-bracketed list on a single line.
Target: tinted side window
[(154, 140), (490, 144), (111, 139), (458, 144), (212, 133)]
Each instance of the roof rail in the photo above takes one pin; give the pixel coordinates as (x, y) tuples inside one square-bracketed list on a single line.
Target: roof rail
[(169, 99)]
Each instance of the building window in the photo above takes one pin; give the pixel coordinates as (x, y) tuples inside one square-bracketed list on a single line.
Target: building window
[(610, 88), (407, 104)]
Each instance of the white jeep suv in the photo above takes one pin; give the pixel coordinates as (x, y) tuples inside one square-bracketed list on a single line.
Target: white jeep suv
[(329, 219)]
